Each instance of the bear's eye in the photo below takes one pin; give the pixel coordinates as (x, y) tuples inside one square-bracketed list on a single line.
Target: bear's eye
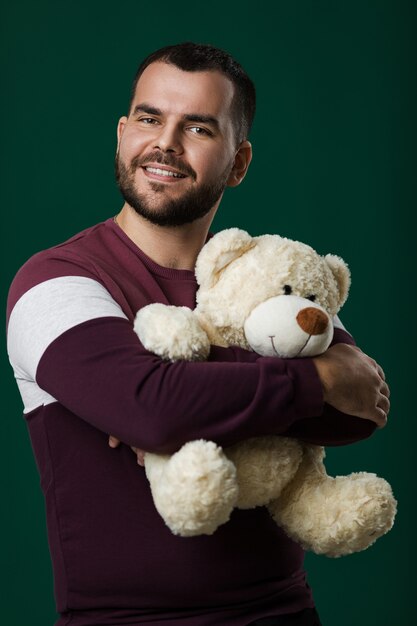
[(312, 298), (287, 290)]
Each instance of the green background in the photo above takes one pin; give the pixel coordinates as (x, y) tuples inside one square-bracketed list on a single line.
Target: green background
[(334, 165)]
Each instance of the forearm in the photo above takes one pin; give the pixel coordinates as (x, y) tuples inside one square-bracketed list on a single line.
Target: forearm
[(157, 405), (100, 371), (332, 428)]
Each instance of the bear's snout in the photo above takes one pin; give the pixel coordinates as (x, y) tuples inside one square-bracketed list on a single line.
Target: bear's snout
[(289, 327), (313, 321)]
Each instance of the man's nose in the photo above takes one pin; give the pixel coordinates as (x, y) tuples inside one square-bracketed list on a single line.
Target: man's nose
[(168, 139)]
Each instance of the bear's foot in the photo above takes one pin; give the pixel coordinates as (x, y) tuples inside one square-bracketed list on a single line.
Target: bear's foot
[(194, 490), (337, 516)]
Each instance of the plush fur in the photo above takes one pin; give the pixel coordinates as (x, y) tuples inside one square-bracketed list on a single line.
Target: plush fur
[(277, 297)]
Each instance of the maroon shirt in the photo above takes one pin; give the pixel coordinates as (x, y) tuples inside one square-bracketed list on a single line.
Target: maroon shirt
[(83, 374)]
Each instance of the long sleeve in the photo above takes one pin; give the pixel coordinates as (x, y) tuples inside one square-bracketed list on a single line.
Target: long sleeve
[(100, 372)]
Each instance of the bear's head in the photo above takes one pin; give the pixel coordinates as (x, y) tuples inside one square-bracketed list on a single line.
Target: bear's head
[(269, 294)]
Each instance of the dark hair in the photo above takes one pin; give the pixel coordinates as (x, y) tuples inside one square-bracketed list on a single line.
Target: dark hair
[(193, 57)]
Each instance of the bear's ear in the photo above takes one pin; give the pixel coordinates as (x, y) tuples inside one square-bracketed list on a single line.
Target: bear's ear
[(341, 273), (220, 251)]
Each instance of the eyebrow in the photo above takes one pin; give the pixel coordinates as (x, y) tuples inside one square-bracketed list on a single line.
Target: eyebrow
[(204, 119), (146, 108), (188, 117)]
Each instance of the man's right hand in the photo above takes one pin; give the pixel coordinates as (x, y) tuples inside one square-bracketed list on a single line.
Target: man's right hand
[(354, 383)]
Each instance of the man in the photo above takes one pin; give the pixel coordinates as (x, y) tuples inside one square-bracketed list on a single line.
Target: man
[(83, 376)]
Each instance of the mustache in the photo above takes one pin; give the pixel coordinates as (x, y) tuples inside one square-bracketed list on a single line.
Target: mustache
[(164, 159)]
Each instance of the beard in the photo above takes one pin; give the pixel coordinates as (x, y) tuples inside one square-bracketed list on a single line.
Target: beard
[(192, 205)]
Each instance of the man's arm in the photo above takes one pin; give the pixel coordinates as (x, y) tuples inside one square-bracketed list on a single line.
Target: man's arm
[(354, 381), (71, 341), (100, 372), (335, 428), (356, 385), (351, 378)]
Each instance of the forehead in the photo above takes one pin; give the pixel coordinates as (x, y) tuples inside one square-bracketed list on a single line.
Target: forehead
[(178, 92)]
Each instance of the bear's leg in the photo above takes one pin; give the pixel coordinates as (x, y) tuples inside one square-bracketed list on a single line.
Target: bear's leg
[(264, 466), (195, 489), (334, 516)]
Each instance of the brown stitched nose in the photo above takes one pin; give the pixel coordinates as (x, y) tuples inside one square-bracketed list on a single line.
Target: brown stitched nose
[(312, 320)]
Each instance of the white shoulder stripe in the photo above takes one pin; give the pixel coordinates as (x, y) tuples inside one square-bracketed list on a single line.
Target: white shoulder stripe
[(48, 310), (32, 395)]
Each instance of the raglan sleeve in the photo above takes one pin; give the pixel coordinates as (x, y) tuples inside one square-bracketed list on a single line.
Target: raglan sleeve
[(69, 341)]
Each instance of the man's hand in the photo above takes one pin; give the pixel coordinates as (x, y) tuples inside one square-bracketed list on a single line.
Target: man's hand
[(140, 454), (354, 383)]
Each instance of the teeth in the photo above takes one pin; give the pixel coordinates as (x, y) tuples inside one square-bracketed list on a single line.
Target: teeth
[(156, 170)]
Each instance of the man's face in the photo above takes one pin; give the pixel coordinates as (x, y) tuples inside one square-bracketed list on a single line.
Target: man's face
[(177, 149)]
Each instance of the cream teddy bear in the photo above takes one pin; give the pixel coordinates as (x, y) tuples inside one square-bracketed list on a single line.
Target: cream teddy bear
[(276, 297)]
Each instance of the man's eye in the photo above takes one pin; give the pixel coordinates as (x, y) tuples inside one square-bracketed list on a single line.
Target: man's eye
[(147, 120), (198, 130)]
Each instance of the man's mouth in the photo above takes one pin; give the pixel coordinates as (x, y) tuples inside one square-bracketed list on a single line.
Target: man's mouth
[(157, 171)]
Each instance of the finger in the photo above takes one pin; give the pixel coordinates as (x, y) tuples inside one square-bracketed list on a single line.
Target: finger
[(140, 457), (377, 414), (381, 420), (384, 404), (113, 441), (385, 390), (380, 371)]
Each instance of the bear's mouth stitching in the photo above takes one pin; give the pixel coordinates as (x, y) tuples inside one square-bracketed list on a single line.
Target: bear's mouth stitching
[(272, 337)]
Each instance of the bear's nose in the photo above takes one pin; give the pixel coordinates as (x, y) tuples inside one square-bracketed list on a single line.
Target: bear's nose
[(312, 320)]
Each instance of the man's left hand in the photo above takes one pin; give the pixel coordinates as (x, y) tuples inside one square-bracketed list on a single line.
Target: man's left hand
[(140, 454)]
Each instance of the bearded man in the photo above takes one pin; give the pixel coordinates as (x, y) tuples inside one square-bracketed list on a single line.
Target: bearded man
[(84, 376)]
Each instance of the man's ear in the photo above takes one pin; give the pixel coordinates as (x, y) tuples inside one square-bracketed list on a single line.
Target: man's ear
[(120, 128), (243, 158)]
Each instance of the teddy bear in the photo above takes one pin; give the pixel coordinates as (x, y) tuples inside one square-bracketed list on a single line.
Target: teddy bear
[(277, 297)]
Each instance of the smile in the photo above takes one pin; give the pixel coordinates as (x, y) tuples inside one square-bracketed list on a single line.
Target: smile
[(160, 172), (272, 337)]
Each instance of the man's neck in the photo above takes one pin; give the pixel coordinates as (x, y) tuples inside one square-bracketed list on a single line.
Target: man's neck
[(176, 248)]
